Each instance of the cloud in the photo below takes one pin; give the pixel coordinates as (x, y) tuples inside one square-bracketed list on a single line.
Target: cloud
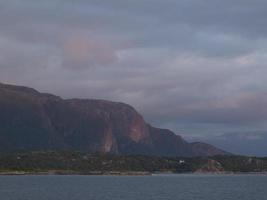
[(193, 66), (80, 51)]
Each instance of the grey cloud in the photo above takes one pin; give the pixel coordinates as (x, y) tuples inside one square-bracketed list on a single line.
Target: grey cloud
[(199, 63)]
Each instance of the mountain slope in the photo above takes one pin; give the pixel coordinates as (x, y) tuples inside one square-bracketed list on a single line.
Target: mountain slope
[(36, 121)]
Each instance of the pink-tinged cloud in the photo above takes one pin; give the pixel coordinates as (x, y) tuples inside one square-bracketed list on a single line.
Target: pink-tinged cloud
[(82, 52)]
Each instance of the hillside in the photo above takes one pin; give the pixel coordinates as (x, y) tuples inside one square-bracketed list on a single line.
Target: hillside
[(31, 120)]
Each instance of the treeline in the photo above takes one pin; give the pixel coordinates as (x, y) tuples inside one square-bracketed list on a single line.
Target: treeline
[(242, 163), (84, 163)]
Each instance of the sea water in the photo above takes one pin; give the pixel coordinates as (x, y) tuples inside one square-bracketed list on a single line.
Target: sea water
[(157, 187)]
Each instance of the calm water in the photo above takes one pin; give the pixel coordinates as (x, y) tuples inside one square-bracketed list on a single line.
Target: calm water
[(176, 187)]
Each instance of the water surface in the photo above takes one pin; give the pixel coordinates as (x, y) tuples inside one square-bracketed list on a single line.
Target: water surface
[(159, 187)]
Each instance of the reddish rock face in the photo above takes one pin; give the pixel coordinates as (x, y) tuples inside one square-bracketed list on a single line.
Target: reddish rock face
[(109, 143), (212, 166), (124, 126), (35, 121)]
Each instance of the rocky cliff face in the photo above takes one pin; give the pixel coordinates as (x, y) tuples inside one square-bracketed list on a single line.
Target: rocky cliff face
[(212, 166), (30, 120)]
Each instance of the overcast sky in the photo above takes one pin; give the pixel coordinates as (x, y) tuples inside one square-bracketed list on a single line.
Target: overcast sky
[(195, 66)]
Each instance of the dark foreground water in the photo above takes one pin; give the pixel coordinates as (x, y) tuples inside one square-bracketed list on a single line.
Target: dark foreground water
[(175, 187)]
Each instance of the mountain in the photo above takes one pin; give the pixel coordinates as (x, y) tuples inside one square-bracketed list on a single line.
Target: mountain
[(251, 143), (31, 120)]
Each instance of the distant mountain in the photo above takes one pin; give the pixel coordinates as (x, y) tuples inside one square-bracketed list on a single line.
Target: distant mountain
[(31, 120), (243, 143)]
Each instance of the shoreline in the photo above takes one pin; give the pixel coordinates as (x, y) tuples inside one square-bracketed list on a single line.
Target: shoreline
[(117, 173), (91, 173)]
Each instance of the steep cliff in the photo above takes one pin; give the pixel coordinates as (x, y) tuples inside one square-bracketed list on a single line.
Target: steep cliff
[(30, 120)]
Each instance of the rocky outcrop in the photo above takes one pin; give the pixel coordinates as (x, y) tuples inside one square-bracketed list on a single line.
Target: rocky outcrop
[(212, 166), (36, 121)]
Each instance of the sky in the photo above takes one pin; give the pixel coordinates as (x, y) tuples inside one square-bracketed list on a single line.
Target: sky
[(197, 67)]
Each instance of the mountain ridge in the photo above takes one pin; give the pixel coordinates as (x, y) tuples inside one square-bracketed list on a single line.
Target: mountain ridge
[(32, 120)]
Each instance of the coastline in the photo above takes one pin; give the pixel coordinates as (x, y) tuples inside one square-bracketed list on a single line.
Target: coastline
[(114, 173), (118, 173)]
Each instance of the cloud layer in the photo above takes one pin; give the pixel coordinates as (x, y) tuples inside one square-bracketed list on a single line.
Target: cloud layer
[(198, 67)]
